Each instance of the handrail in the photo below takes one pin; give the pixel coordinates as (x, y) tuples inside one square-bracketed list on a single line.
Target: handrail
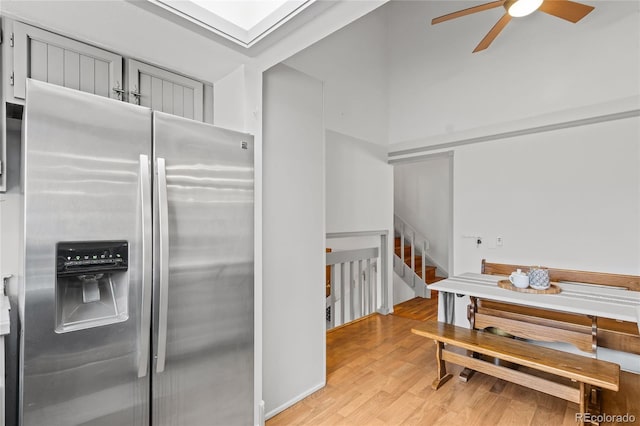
[(343, 256)]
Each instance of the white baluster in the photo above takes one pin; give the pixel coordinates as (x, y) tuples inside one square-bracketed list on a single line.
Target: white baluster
[(424, 258), (343, 279), (352, 288), (360, 289), (369, 288), (413, 258), (332, 297)]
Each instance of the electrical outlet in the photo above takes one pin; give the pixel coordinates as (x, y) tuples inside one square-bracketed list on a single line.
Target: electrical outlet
[(499, 241)]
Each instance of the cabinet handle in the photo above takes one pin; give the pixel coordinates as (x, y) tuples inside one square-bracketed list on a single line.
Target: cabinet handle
[(136, 94), (118, 91)]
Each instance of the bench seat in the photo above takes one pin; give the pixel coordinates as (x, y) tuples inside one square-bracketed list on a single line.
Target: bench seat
[(587, 372)]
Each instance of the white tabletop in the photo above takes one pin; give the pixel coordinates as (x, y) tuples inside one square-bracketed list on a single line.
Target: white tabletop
[(589, 299)]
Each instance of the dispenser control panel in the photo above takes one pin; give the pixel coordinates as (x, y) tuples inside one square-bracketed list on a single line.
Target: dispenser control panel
[(90, 257)]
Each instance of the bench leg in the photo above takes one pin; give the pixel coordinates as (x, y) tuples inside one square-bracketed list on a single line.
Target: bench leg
[(583, 408), (443, 376), (466, 373)]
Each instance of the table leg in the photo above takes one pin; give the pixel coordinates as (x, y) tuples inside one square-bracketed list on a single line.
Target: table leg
[(594, 334), (467, 373)]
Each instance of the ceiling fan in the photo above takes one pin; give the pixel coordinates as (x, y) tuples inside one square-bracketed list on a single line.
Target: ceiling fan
[(565, 9)]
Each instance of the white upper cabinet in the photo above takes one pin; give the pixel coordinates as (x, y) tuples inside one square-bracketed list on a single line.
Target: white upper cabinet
[(165, 91), (46, 56), (42, 55)]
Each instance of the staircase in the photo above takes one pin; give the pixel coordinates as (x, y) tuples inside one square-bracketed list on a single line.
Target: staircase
[(430, 276), (412, 262)]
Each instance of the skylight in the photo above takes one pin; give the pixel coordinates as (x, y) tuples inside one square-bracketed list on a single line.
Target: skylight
[(245, 14), (242, 21)]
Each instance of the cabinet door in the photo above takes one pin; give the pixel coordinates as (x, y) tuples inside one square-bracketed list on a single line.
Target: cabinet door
[(45, 56), (165, 91)]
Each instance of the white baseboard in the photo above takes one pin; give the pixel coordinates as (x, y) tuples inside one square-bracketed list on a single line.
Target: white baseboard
[(295, 399)]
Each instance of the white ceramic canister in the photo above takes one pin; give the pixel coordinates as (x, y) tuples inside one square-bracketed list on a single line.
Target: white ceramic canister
[(519, 279), (539, 278)]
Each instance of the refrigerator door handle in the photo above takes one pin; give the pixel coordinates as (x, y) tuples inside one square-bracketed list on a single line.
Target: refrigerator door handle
[(163, 302), (145, 309)]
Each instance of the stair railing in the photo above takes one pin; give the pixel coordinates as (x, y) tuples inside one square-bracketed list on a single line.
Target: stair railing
[(410, 234), (355, 290), (355, 286)]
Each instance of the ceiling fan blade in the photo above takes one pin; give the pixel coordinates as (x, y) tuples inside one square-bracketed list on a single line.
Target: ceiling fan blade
[(468, 11), (493, 33), (565, 9)]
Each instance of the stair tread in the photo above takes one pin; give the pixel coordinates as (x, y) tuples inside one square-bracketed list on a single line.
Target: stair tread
[(407, 251), (418, 267), (426, 268), (407, 259), (435, 280), (429, 273)]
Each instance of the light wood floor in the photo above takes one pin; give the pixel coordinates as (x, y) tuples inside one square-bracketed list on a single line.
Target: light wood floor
[(418, 308), (379, 373)]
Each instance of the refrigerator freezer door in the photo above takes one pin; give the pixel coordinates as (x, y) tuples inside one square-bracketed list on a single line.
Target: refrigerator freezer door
[(85, 160), (205, 340)]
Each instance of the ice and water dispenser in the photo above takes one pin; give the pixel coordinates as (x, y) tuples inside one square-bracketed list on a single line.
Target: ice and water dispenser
[(92, 284)]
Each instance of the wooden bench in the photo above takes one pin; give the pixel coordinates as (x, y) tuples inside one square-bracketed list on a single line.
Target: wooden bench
[(589, 373)]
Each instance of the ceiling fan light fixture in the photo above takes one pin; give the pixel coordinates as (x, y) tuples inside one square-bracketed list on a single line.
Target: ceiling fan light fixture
[(520, 8)]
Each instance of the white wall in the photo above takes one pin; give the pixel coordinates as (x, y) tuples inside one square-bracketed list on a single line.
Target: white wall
[(359, 182), (359, 185), (293, 238), (581, 208), (352, 63), (229, 97), (422, 197), (538, 66), (327, 21), (401, 291), (359, 194), (566, 199)]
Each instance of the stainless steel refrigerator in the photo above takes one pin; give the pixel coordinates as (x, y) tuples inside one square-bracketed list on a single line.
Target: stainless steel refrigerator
[(137, 303)]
